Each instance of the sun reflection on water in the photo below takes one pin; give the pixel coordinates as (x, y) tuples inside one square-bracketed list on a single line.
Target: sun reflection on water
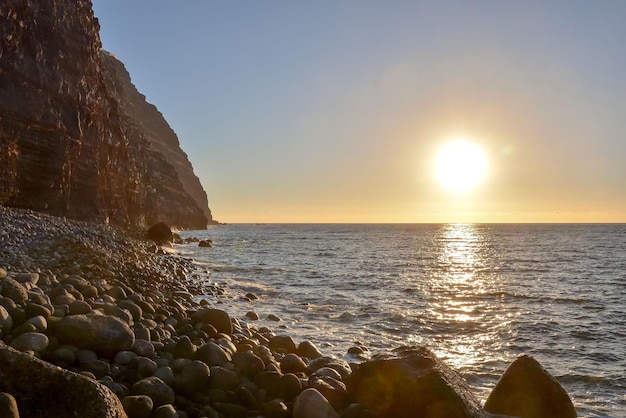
[(467, 323)]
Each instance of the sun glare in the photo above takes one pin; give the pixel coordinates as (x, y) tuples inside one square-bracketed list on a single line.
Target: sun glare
[(460, 166)]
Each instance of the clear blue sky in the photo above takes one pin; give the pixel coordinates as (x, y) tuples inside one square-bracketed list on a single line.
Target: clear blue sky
[(334, 110)]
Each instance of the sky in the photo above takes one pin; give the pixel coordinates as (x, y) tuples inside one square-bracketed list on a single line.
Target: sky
[(334, 111)]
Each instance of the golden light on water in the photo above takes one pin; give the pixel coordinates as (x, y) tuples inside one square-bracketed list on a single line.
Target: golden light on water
[(462, 252)]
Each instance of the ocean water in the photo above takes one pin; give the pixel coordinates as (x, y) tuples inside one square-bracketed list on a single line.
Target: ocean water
[(477, 295)]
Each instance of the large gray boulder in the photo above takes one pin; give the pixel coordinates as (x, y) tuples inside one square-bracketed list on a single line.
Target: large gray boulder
[(44, 390), (527, 390), (411, 382), (106, 335)]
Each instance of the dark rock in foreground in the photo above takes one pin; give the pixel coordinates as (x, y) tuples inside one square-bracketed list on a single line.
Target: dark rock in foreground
[(527, 390), (42, 389), (412, 382)]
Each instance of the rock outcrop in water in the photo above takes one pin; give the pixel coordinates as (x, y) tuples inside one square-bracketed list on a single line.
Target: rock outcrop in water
[(67, 145), (527, 390)]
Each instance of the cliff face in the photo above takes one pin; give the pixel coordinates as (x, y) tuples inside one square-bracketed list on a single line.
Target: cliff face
[(154, 127), (66, 145)]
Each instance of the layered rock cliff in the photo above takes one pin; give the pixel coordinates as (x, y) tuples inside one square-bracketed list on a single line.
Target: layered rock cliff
[(153, 125), (67, 146)]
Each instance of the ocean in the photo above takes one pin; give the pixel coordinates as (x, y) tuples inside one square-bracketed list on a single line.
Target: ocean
[(477, 295)]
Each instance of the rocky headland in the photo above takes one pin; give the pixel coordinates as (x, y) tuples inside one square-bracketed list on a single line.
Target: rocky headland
[(98, 322), (76, 138)]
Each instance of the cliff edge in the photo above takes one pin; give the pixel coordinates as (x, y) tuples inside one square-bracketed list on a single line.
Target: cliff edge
[(153, 125), (68, 146)]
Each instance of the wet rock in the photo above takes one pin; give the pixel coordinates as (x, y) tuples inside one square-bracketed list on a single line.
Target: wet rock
[(56, 388), (527, 390), (205, 243), (252, 316), (409, 382), (156, 389), (106, 335), (274, 318), (311, 404)]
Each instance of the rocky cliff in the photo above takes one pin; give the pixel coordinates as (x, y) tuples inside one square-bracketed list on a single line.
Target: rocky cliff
[(153, 125), (67, 146)]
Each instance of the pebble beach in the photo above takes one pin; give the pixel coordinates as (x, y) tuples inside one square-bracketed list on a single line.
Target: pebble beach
[(113, 308)]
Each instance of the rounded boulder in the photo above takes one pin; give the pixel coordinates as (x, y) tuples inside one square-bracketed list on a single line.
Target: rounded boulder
[(12, 289), (312, 404), (106, 335), (156, 389), (526, 389), (30, 341), (215, 317)]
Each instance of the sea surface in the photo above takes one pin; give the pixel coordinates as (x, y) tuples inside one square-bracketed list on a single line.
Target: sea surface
[(477, 295)]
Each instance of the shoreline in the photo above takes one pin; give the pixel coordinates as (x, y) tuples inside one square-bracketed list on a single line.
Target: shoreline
[(207, 363)]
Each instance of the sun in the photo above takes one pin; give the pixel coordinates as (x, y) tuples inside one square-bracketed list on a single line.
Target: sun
[(460, 166)]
